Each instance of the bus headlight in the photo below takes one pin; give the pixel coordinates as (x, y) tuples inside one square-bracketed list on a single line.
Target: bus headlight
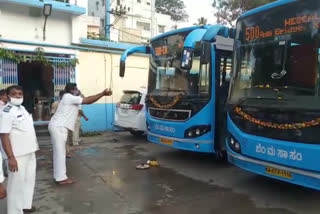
[(234, 144), (197, 131)]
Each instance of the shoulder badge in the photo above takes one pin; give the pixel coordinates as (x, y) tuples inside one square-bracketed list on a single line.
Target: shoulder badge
[(7, 108)]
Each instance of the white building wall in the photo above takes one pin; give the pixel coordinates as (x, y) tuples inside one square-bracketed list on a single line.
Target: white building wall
[(162, 20), (140, 11), (96, 8), (81, 3), (22, 23)]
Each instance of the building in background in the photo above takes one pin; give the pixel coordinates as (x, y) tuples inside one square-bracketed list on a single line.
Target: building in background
[(43, 63), (35, 49), (133, 21)]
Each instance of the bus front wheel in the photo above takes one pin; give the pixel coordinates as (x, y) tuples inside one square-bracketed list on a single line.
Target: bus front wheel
[(221, 156)]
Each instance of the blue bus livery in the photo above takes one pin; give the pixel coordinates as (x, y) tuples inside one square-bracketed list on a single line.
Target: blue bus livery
[(187, 87), (274, 104)]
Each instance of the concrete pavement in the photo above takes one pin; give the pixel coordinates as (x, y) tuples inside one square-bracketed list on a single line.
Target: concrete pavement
[(108, 183)]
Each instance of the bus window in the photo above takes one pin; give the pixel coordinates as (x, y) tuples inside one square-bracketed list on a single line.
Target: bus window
[(303, 63), (204, 78), (225, 70)]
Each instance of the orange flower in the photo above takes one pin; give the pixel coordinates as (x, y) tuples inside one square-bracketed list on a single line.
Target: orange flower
[(283, 126)]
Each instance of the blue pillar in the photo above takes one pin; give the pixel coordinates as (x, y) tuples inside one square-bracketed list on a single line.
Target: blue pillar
[(107, 19)]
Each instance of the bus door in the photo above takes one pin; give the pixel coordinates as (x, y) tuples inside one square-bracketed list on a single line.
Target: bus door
[(223, 68)]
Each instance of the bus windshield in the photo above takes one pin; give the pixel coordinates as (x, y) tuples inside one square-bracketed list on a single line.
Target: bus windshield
[(167, 78), (276, 63)]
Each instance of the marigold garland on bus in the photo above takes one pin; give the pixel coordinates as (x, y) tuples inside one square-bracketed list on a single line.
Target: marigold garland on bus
[(166, 106), (283, 126)]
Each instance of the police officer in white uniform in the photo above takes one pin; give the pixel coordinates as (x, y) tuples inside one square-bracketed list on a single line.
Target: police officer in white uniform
[(19, 144), (3, 98), (3, 192), (3, 101), (63, 120)]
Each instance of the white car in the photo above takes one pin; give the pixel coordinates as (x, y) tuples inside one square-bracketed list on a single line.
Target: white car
[(131, 112)]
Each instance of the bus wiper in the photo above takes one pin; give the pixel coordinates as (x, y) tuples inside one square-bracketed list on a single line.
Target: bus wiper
[(176, 90), (243, 100), (274, 89), (293, 88)]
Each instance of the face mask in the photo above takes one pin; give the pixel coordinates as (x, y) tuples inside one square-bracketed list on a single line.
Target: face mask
[(16, 101)]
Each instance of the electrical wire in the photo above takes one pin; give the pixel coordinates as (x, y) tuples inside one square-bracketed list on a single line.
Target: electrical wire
[(111, 86), (105, 85), (123, 31)]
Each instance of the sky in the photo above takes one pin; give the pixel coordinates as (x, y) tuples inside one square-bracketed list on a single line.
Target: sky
[(197, 9)]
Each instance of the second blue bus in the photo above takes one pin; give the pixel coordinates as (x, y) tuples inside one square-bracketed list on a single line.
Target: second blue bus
[(188, 85)]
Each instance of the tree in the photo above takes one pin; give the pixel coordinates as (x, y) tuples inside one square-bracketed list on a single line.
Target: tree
[(174, 8), (229, 10), (201, 21)]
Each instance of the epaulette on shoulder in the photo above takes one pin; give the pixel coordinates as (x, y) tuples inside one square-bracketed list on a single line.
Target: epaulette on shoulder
[(7, 108)]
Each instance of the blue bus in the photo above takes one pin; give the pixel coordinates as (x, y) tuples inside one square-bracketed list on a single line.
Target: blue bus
[(274, 105), (188, 85)]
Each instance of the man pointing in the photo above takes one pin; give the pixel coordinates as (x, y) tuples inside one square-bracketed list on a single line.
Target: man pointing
[(63, 120)]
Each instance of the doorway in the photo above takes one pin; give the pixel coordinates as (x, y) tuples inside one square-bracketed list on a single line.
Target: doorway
[(36, 79)]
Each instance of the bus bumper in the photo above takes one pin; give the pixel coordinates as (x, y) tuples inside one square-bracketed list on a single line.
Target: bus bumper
[(203, 146), (300, 177)]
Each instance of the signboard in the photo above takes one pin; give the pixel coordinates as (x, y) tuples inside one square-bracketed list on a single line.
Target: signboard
[(281, 22)]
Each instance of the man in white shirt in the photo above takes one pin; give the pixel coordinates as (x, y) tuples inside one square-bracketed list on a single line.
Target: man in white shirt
[(3, 98), (74, 137), (3, 101), (19, 144), (55, 104), (3, 192), (63, 120)]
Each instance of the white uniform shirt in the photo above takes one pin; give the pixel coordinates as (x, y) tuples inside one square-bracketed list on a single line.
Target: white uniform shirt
[(18, 123), (2, 105), (67, 112), (54, 107), (1, 170)]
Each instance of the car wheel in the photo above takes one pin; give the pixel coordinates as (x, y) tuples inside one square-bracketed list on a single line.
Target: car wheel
[(137, 133)]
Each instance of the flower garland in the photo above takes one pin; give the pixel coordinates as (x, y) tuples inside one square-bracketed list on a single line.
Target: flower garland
[(166, 106), (39, 56), (282, 126)]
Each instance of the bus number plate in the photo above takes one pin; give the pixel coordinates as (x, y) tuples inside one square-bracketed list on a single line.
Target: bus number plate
[(166, 141), (278, 172)]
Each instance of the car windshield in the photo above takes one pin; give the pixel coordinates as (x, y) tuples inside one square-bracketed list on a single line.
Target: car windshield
[(166, 76), (277, 58)]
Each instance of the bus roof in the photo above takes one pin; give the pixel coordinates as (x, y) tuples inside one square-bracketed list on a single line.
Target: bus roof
[(180, 30), (266, 7)]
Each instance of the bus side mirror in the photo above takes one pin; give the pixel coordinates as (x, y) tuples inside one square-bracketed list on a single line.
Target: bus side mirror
[(122, 68), (205, 57)]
